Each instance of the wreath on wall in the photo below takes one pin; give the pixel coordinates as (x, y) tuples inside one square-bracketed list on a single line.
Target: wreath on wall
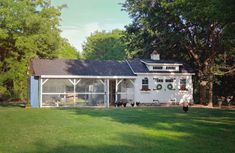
[(170, 87), (159, 87)]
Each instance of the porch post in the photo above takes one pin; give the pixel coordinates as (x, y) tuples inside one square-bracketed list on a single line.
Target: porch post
[(74, 92), (133, 94), (107, 92), (116, 91), (40, 92)]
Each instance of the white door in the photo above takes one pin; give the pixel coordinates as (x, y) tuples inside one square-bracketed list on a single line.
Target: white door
[(165, 89)]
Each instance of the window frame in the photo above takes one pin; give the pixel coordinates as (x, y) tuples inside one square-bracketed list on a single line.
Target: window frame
[(157, 67), (170, 68), (183, 84), (145, 84)]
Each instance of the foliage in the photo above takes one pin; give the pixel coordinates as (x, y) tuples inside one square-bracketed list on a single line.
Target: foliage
[(147, 130), (199, 31), (66, 51), (104, 45), (28, 29)]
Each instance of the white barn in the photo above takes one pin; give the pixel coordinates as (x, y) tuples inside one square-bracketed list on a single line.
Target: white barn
[(70, 83)]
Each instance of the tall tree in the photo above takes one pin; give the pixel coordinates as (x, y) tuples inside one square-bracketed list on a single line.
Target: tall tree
[(104, 45), (28, 28), (199, 30), (66, 51)]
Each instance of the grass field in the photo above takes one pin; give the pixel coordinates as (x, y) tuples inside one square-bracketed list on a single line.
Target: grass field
[(134, 130)]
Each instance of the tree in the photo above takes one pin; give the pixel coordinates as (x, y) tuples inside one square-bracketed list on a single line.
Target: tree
[(66, 51), (28, 29), (198, 30), (104, 45)]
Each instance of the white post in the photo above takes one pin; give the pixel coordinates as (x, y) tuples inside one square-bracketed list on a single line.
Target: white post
[(116, 91), (107, 92), (117, 83), (133, 94), (74, 91), (40, 91)]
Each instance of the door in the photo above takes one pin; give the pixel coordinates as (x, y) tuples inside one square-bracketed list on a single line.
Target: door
[(164, 89), (112, 86)]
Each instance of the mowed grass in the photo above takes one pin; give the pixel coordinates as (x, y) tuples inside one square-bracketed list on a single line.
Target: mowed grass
[(134, 130)]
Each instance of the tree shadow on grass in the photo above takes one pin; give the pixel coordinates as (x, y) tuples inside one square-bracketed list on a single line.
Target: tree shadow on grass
[(127, 143), (215, 128), (175, 118), (133, 143)]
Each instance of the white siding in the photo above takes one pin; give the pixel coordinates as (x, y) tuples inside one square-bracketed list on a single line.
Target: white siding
[(164, 95)]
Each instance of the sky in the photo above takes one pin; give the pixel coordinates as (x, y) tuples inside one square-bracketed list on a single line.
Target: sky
[(82, 17)]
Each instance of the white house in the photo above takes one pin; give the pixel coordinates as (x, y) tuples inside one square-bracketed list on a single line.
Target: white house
[(58, 82)]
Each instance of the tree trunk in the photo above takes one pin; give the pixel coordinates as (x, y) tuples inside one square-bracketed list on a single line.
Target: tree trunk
[(202, 92), (210, 96)]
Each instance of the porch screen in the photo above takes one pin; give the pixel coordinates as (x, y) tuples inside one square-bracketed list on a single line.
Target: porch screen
[(125, 91), (72, 92)]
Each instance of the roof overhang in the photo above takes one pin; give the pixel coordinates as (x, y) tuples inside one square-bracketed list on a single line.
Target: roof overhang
[(86, 76), (162, 64)]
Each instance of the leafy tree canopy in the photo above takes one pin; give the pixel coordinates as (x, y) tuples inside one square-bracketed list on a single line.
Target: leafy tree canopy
[(200, 31), (28, 29), (104, 45), (66, 51)]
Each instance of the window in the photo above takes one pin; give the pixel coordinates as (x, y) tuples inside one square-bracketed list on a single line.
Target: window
[(183, 84), (170, 68), (157, 67), (169, 80), (159, 80), (145, 84)]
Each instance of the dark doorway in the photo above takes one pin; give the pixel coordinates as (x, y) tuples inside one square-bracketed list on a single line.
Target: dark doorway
[(112, 90)]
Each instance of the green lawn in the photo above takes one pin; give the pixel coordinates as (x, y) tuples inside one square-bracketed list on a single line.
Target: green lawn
[(164, 130)]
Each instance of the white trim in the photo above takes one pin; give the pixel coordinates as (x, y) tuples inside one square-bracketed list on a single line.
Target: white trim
[(102, 81), (132, 82), (77, 82), (84, 76), (116, 90), (163, 64), (130, 67), (107, 92), (40, 92), (43, 82), (119, 82), (70, 81), (76, 93)]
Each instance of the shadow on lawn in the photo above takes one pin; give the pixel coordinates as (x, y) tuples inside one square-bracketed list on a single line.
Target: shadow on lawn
[(21, 105), (128, 144), (165, 130), (199, 123), (166, 118)]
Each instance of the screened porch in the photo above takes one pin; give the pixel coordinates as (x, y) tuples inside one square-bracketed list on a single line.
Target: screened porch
[(84, 92)]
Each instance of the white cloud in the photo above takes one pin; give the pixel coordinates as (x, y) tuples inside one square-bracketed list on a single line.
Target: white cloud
[(78, 34)]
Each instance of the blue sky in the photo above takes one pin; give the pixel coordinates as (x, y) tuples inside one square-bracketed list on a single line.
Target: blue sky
[(82, 17)]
